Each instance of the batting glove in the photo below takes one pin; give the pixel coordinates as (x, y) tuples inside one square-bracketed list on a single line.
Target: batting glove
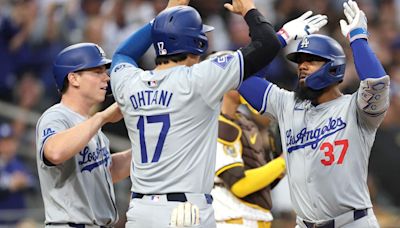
[(302, 26), (356, 25), (185, 215)]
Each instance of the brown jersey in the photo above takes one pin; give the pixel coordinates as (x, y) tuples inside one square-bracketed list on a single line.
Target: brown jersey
[(254, 155)]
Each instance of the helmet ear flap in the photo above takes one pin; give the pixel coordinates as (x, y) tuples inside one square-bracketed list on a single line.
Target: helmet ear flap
[(337, 70), (327, 75)]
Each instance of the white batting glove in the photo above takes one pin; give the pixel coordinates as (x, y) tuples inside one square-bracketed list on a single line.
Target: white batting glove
[(356, 25), (302, 26), (185, 215)]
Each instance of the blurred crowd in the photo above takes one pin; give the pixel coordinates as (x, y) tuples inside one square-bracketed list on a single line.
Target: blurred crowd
[(32, 32)]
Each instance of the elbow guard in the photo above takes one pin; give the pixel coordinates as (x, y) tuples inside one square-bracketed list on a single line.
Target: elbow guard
[(373, 97)]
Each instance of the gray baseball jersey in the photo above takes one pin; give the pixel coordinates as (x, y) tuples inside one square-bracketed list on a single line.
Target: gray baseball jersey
[(79, 190), (172, 121), (328, 147)]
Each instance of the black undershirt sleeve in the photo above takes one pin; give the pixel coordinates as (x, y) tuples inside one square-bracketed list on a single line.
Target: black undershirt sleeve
[(264, 44)]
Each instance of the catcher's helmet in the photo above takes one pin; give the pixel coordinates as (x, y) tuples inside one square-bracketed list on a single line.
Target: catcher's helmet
[(327, 48), (78, 57), (179, 30)]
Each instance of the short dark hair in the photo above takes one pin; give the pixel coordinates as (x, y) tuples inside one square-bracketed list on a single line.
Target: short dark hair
[(174, 58)]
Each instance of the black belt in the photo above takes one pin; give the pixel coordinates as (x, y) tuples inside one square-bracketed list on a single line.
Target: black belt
[(179, 197), (331, 223), (70, 224)]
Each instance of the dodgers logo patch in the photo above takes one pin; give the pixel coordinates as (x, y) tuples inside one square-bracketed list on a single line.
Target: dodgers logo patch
[(222, 61), (304, 43), (47, 132)]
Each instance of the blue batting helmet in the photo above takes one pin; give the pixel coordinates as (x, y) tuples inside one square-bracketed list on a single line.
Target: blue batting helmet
[(179, 30), (327, 48), (78, 57)]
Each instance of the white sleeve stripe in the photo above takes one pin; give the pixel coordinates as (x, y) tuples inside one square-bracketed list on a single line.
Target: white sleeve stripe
[(241, 72), (264, 105)]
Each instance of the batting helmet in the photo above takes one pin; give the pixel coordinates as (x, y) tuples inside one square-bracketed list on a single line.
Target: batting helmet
[(179, 30), (78, 57), (327, 48)]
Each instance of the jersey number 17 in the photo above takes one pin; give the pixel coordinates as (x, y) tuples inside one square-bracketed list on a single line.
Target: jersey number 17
[(164, 119)]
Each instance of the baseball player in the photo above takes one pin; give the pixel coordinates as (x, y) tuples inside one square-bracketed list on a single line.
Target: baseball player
[(76, 169), (245, 173), (171, 112), (328, 135)]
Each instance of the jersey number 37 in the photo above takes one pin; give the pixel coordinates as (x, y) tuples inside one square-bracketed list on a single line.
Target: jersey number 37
[(328, 149)]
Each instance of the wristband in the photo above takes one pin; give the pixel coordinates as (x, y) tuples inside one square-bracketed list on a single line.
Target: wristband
[(358, 33)]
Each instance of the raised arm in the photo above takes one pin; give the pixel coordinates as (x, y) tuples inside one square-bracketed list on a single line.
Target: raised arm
[(254, 89), (264, 45), (296, 29), (130, 50), (134, 47), (373, 95), (355, 30), (263, 49)]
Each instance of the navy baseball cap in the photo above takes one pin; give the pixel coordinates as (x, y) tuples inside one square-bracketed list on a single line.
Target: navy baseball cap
[(6, 131)]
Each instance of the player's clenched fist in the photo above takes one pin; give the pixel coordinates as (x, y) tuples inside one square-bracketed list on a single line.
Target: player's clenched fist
[(185, 214), (240, 6)]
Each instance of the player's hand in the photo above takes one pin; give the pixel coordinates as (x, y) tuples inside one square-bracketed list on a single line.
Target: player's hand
[(302, 26), (185, 215), (111, 114), (240, 7), (356, 25), (172, 3)]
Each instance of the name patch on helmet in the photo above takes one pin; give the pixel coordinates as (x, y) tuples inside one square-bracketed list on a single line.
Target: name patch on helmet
[(161, 49), (222, 61)]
